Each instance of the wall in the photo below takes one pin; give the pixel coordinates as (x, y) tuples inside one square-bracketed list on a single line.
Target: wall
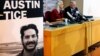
[(91, 8), (80, 5)]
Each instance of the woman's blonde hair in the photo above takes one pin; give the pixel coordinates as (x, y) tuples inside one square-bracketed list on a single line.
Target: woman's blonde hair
[(58, 4)]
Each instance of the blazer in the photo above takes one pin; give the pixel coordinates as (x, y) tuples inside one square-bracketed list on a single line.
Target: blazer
[(68, 9)]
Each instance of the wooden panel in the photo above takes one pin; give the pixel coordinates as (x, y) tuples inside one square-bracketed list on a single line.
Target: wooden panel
[(66, 40), (47, 43), (95, 31)]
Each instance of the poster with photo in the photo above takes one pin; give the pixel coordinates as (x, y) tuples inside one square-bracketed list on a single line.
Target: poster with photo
[(21, 28)]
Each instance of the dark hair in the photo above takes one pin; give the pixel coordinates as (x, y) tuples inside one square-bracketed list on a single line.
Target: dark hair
[(30, 26)]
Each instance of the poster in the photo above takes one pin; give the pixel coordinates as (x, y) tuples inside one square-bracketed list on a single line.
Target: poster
[(14, 15)]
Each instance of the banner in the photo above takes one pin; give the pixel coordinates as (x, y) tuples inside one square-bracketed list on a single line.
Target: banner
[(21, 27), (17, 9)]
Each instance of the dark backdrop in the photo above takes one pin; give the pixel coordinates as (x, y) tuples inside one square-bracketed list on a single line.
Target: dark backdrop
[(35, 12)]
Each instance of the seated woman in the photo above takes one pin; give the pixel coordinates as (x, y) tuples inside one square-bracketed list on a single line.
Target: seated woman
[(56, 15)]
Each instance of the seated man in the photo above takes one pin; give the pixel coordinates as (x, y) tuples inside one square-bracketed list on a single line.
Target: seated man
[(72, 13)]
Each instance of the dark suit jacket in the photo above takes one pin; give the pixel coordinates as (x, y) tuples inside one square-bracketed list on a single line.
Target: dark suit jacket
[(68, 9)]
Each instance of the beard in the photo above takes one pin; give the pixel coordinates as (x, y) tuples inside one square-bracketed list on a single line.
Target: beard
[(28, 43)]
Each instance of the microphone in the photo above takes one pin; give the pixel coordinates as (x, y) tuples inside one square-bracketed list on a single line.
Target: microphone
[(70, 15)]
